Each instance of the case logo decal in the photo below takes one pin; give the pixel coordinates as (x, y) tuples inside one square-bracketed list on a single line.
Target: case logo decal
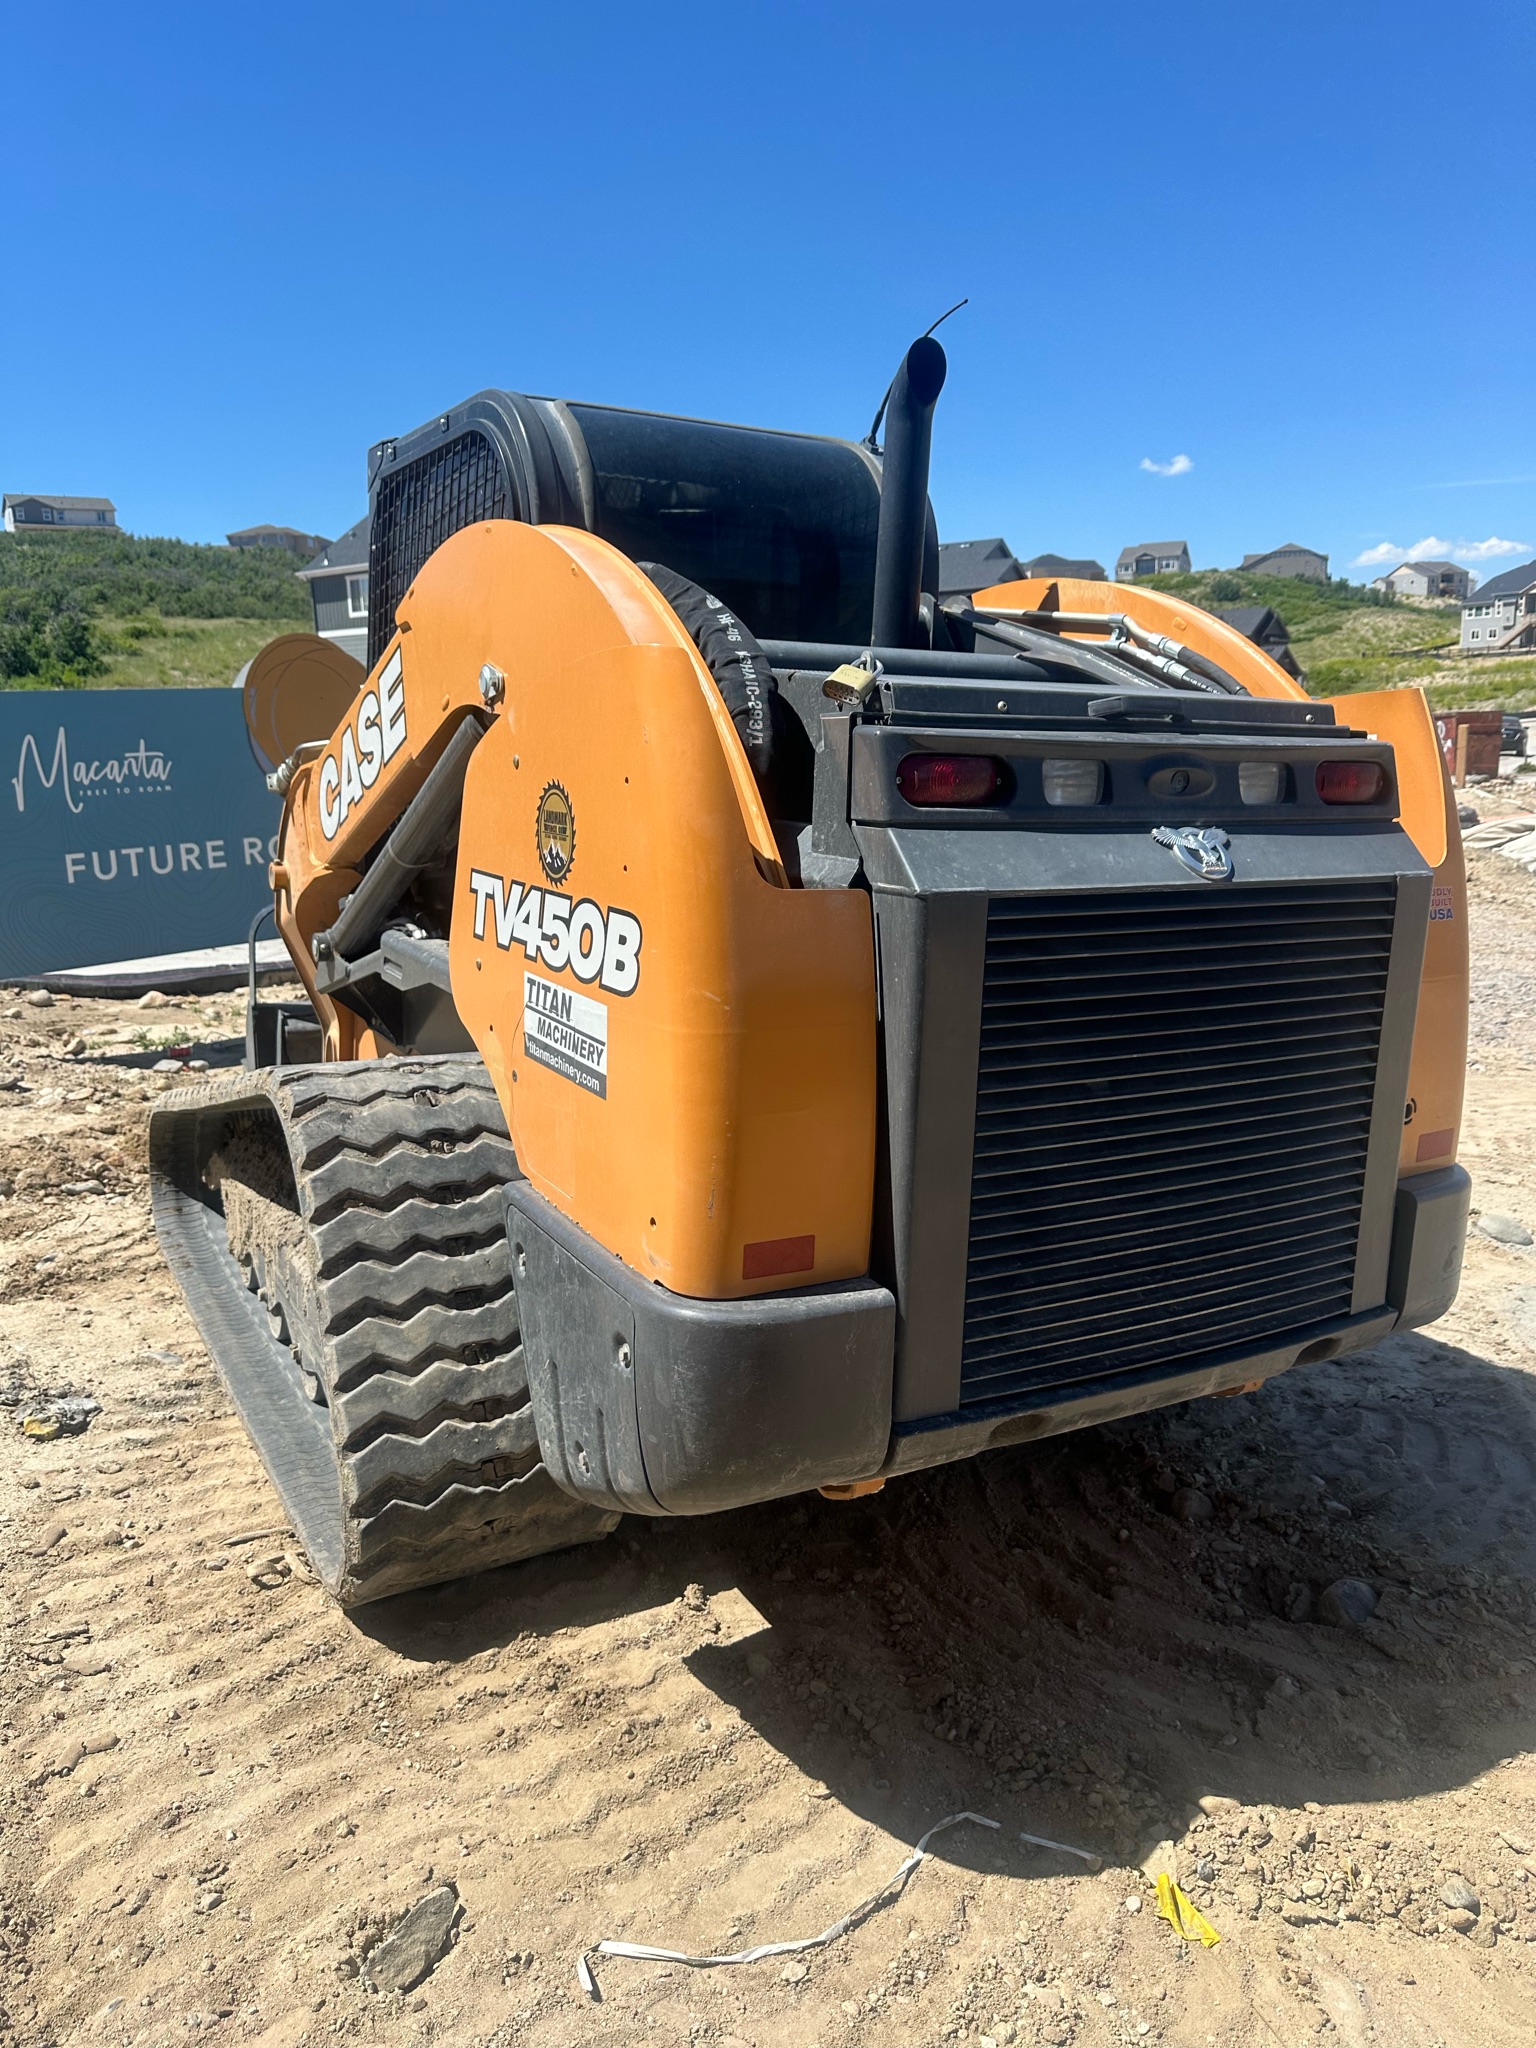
[(554, 832), (595, 944), (566, 1031), (1206, 853), (375, 736)]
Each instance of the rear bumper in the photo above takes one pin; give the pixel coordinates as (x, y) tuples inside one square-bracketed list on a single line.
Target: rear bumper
[(657, 1404), (1429, 1234), (652, 1403)]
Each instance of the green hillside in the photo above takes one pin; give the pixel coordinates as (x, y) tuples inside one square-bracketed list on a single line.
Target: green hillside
[(104, 610), (1349, 638)]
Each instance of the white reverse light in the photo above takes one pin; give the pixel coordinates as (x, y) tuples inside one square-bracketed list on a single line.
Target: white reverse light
[(1259, 782), (1072, 781)]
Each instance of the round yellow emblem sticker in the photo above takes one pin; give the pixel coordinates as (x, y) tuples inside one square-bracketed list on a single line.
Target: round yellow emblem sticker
[(555, 833)]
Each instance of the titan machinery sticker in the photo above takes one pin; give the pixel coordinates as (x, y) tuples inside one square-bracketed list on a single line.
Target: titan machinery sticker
[(567, 1032)]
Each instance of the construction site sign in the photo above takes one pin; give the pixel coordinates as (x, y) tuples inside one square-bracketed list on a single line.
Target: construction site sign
[(132, 823)]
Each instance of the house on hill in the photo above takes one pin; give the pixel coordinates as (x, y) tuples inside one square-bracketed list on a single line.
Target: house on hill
[(966, 566), (301, 544), (1427, 579), (338, 589), (1063, 565), (1501, 616), (1291, 560), (29, 512), (1153, 558), (1266, 629), (970, 565)]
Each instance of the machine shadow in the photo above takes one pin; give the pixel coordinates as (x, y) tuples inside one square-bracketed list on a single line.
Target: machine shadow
[(1084, 1637)]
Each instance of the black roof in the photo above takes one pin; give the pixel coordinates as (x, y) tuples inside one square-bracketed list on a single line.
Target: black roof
[(967, 565), (1063, 565), (1510, 584), (348, 553), (1257, 622)]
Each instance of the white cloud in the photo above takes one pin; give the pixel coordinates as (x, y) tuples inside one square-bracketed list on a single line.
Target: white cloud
[(1433, 549), (1489, 550), (1180, 466)]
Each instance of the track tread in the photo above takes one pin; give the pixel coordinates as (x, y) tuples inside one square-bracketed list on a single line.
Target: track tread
[(396, 1235), (390, 1401), (408, 1174), (412, 1324), (398, 1292)]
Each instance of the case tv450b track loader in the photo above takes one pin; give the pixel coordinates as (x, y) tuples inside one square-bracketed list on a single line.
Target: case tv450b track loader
[(774, 1031)]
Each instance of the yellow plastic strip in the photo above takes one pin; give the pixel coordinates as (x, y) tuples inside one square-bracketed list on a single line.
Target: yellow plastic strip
[(1182, 1914)]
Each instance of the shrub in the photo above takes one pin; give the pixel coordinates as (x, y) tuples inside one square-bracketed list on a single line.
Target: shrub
[(53, 589)]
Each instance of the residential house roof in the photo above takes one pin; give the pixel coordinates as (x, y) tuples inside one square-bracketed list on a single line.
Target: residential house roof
[(1438, 567), (59, 504), (1155, 547), (347, 555), (1290, 547), (967, 565), (1510, 584), (1251, 619), (1263, 625), (1062, 565)]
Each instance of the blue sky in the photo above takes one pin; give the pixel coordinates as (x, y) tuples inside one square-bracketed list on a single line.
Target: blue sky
[(1287, 244)]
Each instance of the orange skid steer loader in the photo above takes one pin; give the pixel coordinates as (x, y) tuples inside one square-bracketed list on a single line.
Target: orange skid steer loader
[(770, 1029)]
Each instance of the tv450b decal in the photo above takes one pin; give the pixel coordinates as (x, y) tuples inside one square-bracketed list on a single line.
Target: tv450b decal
[(595, 944)]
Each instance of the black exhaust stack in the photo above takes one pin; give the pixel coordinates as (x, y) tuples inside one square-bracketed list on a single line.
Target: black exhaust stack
[(904, 496)]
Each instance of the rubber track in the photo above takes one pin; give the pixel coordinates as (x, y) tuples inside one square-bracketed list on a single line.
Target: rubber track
[(413, 1332)]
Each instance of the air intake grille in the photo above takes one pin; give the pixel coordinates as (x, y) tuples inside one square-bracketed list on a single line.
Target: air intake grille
[(1172, 1116), (415, 510)]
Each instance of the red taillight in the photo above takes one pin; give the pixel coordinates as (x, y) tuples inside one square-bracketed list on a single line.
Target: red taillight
[(950, 778), (1351, 782)]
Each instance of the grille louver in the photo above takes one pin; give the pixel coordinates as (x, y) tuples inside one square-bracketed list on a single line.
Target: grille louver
[(419, 506), (1173, 1110)]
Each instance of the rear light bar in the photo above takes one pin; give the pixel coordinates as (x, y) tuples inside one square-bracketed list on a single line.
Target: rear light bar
[(952, 779), (1351, 782)]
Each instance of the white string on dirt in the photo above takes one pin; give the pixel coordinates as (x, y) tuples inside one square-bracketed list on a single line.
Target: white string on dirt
[(642, 1952)]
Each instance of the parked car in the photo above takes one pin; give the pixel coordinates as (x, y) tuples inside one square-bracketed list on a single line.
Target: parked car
[(1516, 736)]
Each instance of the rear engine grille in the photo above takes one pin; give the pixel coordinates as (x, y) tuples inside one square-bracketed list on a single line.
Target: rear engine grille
[(415, 510), (1172, 1116)]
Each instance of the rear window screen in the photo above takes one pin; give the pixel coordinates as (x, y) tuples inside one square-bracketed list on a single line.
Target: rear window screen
[(778, 526)]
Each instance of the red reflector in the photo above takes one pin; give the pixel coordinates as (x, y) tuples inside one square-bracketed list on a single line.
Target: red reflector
[(1436, 1145), (1351, 782), (949, 778), (771, 1255)]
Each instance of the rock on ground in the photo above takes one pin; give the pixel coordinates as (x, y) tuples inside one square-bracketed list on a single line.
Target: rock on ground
[(416, 1945)]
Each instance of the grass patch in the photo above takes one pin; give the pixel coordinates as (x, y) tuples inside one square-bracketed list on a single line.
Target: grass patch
[(179, 654)]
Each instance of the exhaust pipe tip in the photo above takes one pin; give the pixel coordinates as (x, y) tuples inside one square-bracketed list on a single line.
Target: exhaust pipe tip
[(925, 366), (898, 620)]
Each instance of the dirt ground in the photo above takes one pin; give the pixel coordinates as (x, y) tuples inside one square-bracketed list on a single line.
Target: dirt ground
[(216, 1791)]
